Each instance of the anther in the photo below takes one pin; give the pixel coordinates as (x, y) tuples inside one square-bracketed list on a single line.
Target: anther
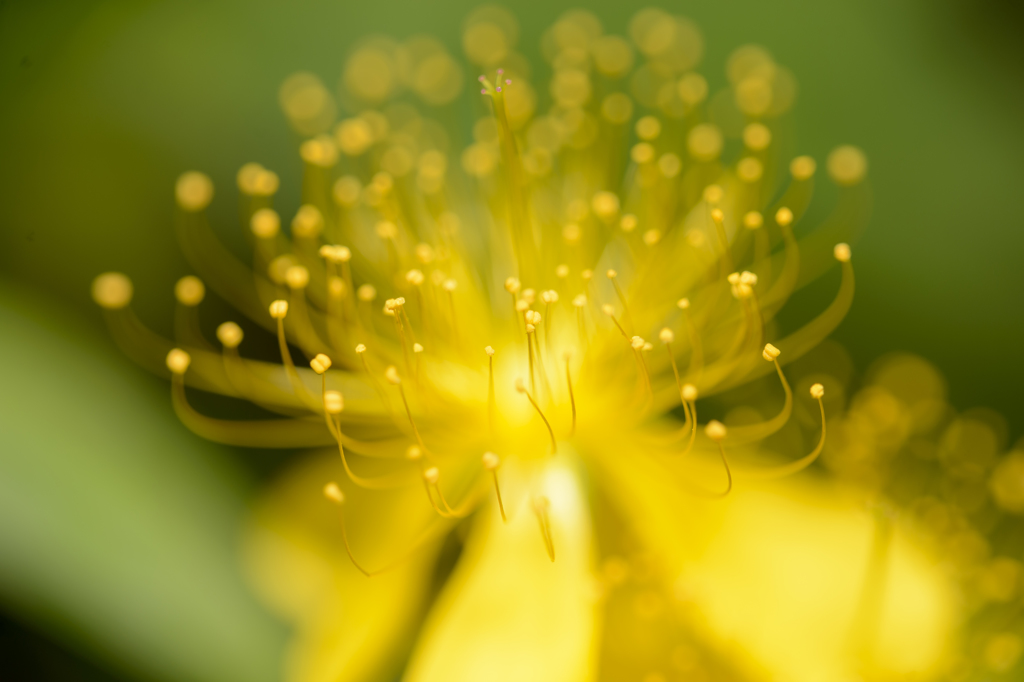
[(489, 351), (229, 334), (783, 217), (414, 277), (752, 220), (713, 194), (366, 293), (112, 290), (842, 253), (297, 277), (320, 364), (414, 453), (715, 430), (580, 301), (417, 348), (636, 342), (333, 493), (562, 271), (360, 349), (279, 309), (334, 402), (391, 374), (770, 352), (265, 223), (512, 285), (666, 335), (689, 393), (189, 291), (432, 475), (717, 215), (178, 361), (817, 391), (683, 303)]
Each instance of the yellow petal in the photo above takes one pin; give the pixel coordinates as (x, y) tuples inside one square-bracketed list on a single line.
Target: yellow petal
[(781, 570), (348, 626), (508, 612)]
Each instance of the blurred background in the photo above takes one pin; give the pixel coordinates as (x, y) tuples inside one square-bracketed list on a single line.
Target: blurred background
[(104, 104)]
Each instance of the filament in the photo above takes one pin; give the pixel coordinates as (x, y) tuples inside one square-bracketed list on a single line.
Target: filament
[(497, 492), (522, 389), (798, 465), (572, 397), (293, 375), (541, 506)]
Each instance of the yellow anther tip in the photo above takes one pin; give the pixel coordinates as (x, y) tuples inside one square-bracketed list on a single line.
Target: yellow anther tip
[(391, 374), (178, 361), (715, 430), (491, 461), (689, 393), (607, 310), (432, 475), (229, 334), (550, 296), (666, 335), (193, 191), (342, 254), (333, 493), (366, 293), (586, 275), (512, 285), (683, 303), (752, 220), (784, 217), (817, 391), (520, 386), (417, 348), (334, 402), (450, 285), (580, 300), (265, 223), (717, 215), (360, 349), (414, 277), (612, 274), (562, 271), (320, 364), (489, 350), (628, 222), (279, 309), (637, 343), (189, 291), (413, 453), (842, 253), (112, 290), (297, 277), (770, 352)]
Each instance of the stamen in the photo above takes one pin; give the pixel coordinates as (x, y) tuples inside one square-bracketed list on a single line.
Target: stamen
[(715, 430), (580, 302), (610, 312), (755, 432), (817, 392), (541, 507), (278, 311), (333, 493), (718, 218), (667, 337), (361, 352), (572, 397), (491, 463), (521, 387), (614, 277), (334, 404), (696, 348), (391, 374), (491, 403), (638, 345)]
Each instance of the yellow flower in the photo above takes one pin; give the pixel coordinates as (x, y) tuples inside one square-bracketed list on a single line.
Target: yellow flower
[(513, 346)]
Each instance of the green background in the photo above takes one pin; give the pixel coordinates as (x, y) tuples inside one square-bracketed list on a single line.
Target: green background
[(104, 104)]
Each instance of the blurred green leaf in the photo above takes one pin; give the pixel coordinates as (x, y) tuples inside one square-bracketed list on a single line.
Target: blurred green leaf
[(118, 526)]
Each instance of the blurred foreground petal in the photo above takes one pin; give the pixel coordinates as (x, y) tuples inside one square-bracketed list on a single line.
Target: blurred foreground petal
[(783, 571), (350, 627), (508, 612), (117, 526)]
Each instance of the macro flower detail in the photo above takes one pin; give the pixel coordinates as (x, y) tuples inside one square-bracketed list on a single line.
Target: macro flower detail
[(507, 327)]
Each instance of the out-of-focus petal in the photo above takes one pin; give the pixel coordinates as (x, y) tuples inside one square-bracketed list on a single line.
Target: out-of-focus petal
[(508, 612), (781, 570), (349, 626)]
